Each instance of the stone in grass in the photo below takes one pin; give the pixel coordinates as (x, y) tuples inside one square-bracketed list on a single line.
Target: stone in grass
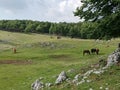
[(71, 71), (76, 78), (106, 88), (62, 77), (90, 89), (101, 88), (48, 84), (113, 58), (37, 85)]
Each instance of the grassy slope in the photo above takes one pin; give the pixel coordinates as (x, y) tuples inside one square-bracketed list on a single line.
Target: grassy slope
[(48, 62)]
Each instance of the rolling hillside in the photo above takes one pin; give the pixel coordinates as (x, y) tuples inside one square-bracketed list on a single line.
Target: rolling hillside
[(42, 56)]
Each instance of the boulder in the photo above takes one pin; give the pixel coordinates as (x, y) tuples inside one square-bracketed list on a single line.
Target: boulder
[(37, 85), (48, 84), (114, 58), (62, 77)]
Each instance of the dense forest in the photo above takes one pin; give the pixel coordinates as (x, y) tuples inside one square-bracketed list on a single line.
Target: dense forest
[(101, 21), (87, 30)]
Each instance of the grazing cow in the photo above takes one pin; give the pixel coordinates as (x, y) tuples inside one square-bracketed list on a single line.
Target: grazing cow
[(97, 51), (58, 37), (86, 51), (94, 50), (14, 50)]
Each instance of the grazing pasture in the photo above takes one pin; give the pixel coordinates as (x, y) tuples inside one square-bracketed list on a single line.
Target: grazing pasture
[(42, 56)]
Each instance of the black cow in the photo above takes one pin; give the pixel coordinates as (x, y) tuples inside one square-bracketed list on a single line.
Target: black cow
[(94, 50), (86, 51)]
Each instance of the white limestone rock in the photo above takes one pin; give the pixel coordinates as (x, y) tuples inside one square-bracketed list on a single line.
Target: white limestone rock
[(37, 85), (114, 58), (62, 77)]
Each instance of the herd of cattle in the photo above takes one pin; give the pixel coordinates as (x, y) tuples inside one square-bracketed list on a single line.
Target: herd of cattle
[(93, 51)]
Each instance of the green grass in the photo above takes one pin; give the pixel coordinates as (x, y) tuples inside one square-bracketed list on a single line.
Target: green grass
[(48, 61)]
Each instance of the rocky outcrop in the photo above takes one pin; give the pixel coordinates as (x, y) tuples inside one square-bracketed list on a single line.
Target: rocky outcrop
[(37, 85), (62, 77), (114, 58)]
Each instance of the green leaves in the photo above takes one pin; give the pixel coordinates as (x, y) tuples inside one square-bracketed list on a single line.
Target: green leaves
[(92, 9)]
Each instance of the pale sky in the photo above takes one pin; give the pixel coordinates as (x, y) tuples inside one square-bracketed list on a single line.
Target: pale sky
[(40, 10)]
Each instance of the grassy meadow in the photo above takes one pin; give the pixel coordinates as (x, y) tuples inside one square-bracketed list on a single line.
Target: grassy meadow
[(42, 56)]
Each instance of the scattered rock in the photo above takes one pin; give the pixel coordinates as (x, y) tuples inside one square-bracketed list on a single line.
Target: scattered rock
[(98, 71), (77, 76), (88, 73), (106, 84), (37, 85), (68, 80), (82, 81), (48, 84), (48, 44), (101, 87), (76, 79), (88, 81), (62, 77), (106, 88), (90, 89), (114, 58), (41, 78), (71, 71)]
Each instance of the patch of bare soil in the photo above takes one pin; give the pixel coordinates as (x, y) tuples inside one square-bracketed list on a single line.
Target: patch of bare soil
[(59, 56), (16, 62)]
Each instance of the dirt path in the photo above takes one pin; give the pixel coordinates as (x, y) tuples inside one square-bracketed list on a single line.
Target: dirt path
[(16, 62)]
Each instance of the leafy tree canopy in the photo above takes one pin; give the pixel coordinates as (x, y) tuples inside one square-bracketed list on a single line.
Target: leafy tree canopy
[(93, 10)]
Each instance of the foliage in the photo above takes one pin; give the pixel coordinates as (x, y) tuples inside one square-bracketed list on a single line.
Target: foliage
[(104, 12), (93, 10), (87, 30)]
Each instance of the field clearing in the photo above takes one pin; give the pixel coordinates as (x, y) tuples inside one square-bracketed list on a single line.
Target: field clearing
[(41, 56)]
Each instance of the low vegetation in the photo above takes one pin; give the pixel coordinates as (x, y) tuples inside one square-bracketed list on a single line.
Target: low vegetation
[(40, 56)]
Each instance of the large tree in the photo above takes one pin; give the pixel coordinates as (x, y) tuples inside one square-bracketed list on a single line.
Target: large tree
[(105, 12), (96, 9)]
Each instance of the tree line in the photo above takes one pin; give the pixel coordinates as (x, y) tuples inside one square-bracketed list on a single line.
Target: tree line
[(102, 29), (101, 21)]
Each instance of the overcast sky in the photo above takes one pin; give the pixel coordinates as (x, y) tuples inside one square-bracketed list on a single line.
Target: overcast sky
[(40, 10)]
